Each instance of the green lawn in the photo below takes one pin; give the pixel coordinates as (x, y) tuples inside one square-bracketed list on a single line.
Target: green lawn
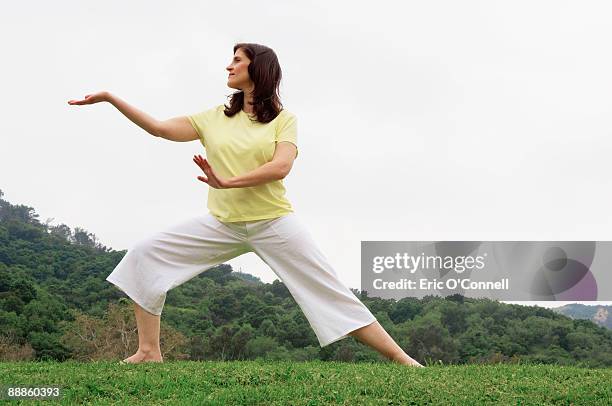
[(311, 383)]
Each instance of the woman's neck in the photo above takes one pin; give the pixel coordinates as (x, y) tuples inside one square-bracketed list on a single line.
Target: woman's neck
[(247, 107)]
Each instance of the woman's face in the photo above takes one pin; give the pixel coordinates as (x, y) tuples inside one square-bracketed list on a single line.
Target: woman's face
[(238, 77)]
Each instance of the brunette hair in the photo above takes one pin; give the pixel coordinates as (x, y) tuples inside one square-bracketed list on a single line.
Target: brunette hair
[(265, 72)]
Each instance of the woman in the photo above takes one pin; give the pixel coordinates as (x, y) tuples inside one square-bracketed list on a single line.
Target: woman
[(250, 146)]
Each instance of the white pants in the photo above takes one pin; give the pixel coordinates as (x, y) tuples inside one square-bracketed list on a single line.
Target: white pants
[(171, 257)]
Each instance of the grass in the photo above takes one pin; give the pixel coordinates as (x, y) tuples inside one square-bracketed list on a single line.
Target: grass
[(311, 383)]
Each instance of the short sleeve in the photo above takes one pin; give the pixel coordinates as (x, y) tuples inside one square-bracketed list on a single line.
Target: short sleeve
[(287, 130), (200, 121)]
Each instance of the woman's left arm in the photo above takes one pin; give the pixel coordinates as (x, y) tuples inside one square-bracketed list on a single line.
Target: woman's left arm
[(278, 168)]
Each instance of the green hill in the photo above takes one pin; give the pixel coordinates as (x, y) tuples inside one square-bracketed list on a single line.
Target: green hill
[(56, 305), (598, 314)]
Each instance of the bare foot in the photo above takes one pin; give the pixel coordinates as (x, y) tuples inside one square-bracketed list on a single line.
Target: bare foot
[(142, 356), (405, 359), (413, 363)]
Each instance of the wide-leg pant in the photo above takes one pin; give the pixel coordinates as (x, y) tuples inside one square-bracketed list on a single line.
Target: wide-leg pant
[(171, 257)]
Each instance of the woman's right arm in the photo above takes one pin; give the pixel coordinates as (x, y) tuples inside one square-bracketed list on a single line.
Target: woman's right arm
[(177, 129)]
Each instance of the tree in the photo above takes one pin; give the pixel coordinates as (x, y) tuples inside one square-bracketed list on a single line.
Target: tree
[(430, 340), (62, 231), (260, 346), (453, 317), (405, 309), (12, 350), (115, 336)]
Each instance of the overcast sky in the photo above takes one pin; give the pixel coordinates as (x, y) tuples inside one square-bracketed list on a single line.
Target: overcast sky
[(443, 120)]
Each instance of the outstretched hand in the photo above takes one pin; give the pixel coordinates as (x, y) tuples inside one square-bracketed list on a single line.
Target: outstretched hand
[(212, 179), (91, 99)]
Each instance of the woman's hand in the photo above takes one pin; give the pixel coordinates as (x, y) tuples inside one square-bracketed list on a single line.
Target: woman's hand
[(91, 98), (212, 180)]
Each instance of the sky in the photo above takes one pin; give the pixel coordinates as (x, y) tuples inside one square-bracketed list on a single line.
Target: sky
[(417, 121)]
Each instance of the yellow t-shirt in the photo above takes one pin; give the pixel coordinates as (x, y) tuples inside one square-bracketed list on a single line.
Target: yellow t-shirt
[(236, 145)]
